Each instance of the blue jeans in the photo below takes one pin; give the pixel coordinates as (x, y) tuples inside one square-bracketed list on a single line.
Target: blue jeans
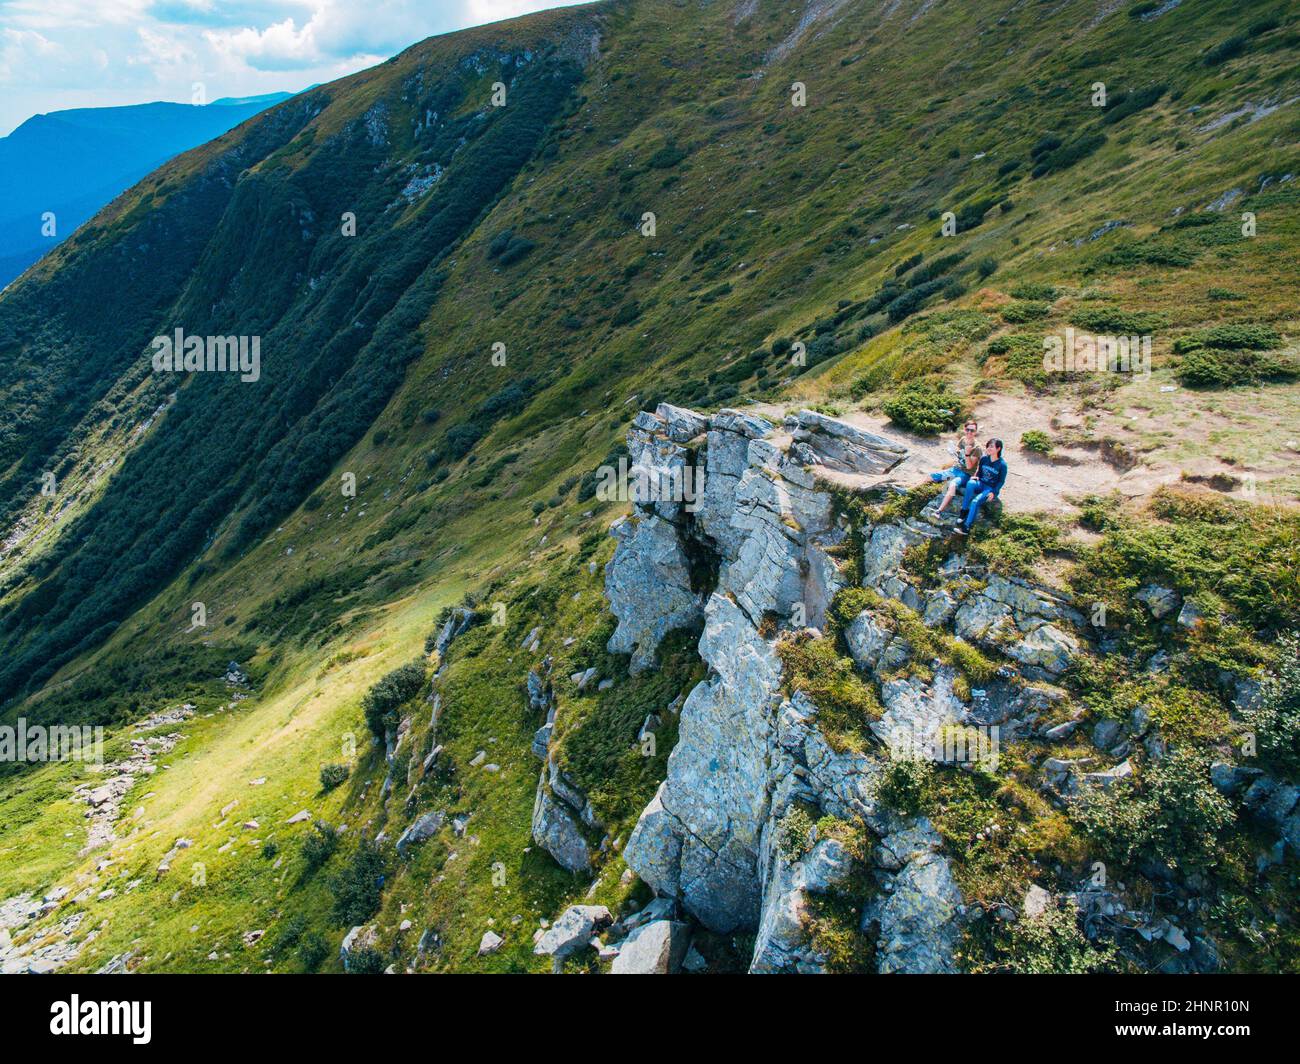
[(973, 498), (948, 474)]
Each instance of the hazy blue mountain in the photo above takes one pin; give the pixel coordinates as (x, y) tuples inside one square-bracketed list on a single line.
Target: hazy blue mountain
[(73, 162)]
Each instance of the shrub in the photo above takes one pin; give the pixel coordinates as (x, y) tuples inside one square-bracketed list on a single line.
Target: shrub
[(269, 850), (1146, 253), (460, 439), (666, 157), (382, 700), (1176, 817), (319, 847), (927, 409), (332, 776), (626, 314), (795, 836), (1205, 367), (1051, 943), (1235, 336), (905, 784), (908, 263), (1277, 721), (910, 301), (1030, 290), (358, 889), (1037, 441), (1130, 103), (312, 950), (1225, 50), (1023, 310), (986, 267), (365, 961), (1118, 320), (1067, 155)]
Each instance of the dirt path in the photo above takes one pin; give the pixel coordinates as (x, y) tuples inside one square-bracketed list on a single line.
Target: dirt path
[(1034, 483)]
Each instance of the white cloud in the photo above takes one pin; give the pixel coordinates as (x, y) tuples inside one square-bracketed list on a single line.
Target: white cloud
[(62, 53)]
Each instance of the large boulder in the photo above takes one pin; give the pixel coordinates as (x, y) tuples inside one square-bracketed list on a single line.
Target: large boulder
[(837, 445), (875, 647), (426, 826), (1047, 647), (920, 925), (572, 931), (730, 434), (656, 948), (648, 584), (556, 830), (698, 839)]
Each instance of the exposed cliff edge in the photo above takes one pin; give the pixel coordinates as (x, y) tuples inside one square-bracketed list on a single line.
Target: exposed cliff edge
[(758, 500)]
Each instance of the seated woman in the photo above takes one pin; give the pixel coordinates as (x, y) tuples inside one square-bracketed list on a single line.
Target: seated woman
[(969, 454), (987, 482)]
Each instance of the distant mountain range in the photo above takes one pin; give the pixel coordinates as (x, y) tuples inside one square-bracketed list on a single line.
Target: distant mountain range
[(71, 163)]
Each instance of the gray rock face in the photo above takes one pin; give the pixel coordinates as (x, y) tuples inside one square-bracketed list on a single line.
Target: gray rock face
[(681, 425), (730, 433), (919, 926), (573, 931), (556, 830), (837, 445), (698, 838), (1161, 601), (916, 712), (874, 646), (744, 757), (648, 584), (426, 826), (661, 476), (358, 939), (460, 622), (656, 948)]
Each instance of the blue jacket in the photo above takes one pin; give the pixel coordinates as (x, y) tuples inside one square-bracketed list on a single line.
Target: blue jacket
[(992, 475)]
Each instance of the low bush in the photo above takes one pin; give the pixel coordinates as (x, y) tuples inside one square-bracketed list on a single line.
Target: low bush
[(1205, 367), (924, 408), (358, 889), (1277, 721), (332, 776), (1023, 310), (319, 846), (1173, 816), (384, 697), (1037, 441)]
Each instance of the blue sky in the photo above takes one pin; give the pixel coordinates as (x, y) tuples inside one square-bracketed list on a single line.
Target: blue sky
[(56, 54)]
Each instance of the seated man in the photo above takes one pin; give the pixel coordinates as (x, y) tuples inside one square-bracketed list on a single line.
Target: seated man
[(986, 483)]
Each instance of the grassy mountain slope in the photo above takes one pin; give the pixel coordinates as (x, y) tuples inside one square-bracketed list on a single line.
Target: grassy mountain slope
[(522, 226), (71, 163)]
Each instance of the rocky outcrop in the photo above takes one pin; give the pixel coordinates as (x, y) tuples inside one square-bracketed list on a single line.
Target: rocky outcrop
[(648, 584), (560, 809), (573, 931), (656, 948), (698, 839), (751, 756), (745, 754)]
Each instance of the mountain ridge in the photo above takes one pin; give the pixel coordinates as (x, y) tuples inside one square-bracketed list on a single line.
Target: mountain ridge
[(476, 480)]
